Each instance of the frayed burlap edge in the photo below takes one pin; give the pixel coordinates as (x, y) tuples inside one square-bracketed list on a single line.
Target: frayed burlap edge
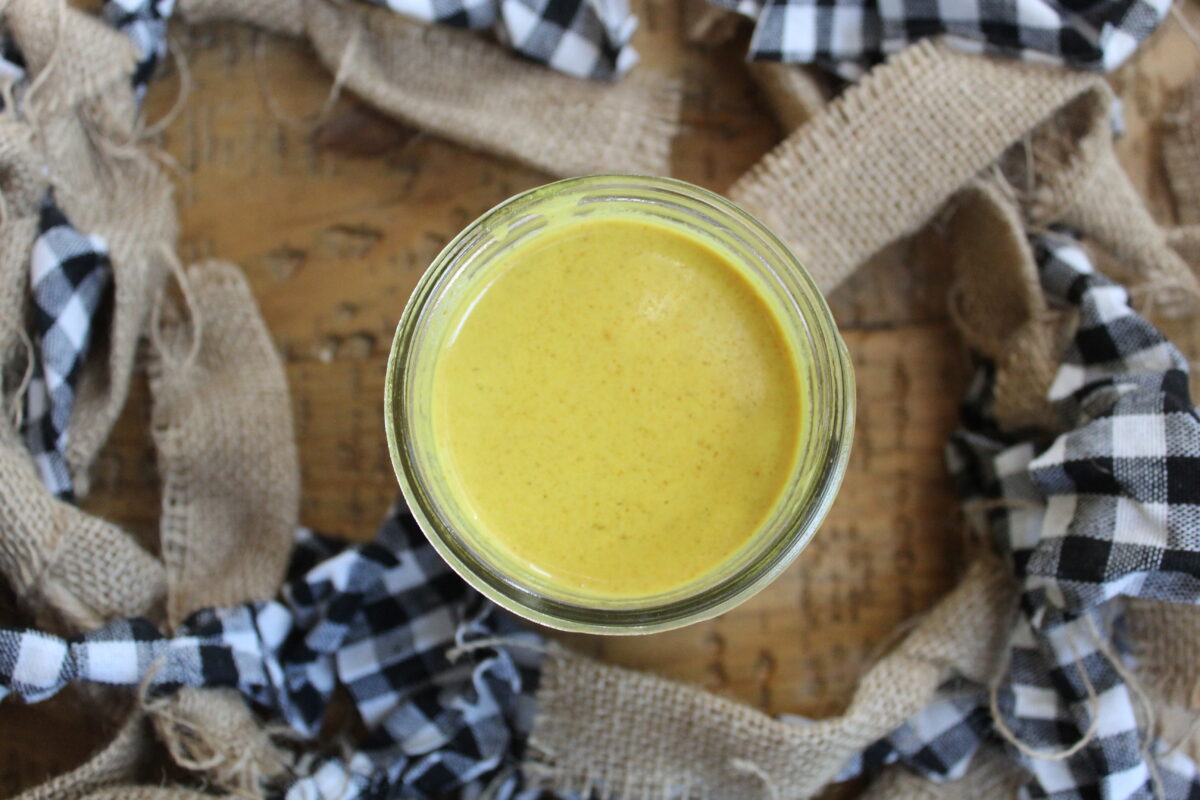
[(613, 732), (223, 429), (883, 157), (455, 84)]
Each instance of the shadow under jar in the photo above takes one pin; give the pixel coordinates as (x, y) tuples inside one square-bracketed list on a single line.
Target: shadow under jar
[(529, 458)]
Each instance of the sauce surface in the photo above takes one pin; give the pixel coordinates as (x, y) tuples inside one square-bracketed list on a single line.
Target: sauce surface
[(617, 407)]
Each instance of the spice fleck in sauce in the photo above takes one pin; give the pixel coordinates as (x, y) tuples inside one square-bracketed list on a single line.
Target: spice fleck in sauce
[(618, 407)]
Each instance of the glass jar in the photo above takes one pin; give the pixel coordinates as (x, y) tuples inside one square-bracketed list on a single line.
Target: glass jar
[(825, 379)]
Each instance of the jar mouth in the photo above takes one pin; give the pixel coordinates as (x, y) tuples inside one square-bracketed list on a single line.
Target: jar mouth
[(825, 378)]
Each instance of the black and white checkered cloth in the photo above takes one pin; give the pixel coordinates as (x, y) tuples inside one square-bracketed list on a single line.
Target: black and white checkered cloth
[(70, 276), (1109, 509), (850, 36), (584, 38), (12, 63), (380, 621), (145, 23)]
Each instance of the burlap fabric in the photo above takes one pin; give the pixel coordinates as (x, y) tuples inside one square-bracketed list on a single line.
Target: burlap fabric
[(1106, 208), (1167, 647), (223, 431), (80, 117), (1063, 171), (454, 84), (1181, 152), (889, 153), (76, 133), (1168, 637), (923, 126), (999, 307), (1181, 159), (630, 735), (222, 423), (1186, 242)]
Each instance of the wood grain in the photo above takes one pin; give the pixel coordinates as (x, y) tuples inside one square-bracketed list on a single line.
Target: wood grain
[(334, 220)]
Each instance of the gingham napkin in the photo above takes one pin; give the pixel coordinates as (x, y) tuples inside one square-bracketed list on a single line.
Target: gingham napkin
[(1108, 510), (381, 621), (850, 36), (70, 276), (145, 23), (585, 38)]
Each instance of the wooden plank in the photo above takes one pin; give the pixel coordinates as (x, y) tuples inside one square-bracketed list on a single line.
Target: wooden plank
[(333, 224)]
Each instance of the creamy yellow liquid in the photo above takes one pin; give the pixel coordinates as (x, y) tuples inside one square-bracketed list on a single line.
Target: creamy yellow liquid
[(617, 407)]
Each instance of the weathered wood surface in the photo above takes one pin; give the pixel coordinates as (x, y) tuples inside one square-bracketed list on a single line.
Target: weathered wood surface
[(333, 223)]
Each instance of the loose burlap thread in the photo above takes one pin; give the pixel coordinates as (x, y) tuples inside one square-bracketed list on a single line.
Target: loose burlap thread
[(455, 84)]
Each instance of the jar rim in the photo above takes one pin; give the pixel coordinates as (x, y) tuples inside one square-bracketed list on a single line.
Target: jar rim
[(837, 385)]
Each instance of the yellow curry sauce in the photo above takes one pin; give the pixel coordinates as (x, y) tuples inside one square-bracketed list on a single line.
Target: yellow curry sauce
[(617, 406)]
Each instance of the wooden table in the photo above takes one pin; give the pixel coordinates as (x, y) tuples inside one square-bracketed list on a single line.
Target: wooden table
[(334, 224)]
